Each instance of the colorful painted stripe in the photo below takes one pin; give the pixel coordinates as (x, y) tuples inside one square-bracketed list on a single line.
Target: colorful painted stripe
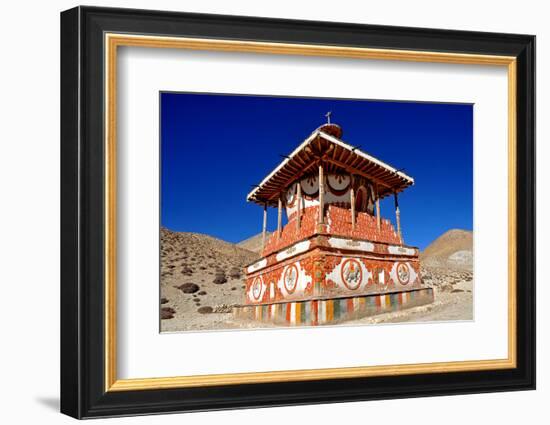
[(320, 312)]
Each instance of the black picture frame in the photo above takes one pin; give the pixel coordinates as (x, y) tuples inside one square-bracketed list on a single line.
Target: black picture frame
[(83, 392)]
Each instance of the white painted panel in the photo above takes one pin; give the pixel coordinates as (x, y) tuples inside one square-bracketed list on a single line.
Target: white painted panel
[(257, 266), (295, 249), (343, 243), (400, 250)]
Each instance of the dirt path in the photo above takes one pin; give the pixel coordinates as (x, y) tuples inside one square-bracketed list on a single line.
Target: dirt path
[(448, 305)]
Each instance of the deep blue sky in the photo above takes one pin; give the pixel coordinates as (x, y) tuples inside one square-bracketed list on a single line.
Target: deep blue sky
[(215, 147)]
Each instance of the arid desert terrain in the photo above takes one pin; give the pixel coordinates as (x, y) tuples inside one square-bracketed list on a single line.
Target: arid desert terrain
[(202, 278)]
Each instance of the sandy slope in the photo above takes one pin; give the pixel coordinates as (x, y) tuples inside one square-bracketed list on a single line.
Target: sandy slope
[(254, 243), (453, 249), (214, 266)]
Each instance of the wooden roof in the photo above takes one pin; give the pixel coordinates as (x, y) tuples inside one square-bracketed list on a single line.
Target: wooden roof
[(337, 157)]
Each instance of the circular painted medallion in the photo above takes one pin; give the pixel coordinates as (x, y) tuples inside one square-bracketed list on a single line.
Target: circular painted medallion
[(290, 196), (351, 273), (290, 278), (403, 273), (257, 288), (338, 184), (310, 186)]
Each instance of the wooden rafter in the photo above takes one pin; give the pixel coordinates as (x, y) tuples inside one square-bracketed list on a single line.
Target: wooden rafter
[(337, 156)]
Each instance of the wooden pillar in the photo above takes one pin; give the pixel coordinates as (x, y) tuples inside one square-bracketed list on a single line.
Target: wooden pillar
[(321, 195), (299, 208), (352, 202), (398, 218), (377, 209), (280, 215), (264, 226)]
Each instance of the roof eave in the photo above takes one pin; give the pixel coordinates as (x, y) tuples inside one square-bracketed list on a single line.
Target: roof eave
[(282, 164), (328, 137), (366, 156)]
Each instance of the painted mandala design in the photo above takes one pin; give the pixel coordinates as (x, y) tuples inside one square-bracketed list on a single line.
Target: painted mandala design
[(257, 288), (403, 273), (291, 278), (352, 274), (338, 184), (290, 196), (310, 186)]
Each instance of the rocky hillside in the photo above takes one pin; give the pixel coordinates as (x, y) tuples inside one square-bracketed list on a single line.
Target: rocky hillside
[(254, 243), (453, 249), (201, 277), (195, 246)]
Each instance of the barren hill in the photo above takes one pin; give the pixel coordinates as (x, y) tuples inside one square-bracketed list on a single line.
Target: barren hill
[(204, 246), (452, 249), (201, 276), (254, 243)]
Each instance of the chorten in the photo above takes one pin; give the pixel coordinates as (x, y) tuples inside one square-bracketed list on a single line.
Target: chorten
[(337, 258)]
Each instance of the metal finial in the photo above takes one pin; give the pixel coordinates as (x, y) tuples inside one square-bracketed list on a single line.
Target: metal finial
[(328, 114)]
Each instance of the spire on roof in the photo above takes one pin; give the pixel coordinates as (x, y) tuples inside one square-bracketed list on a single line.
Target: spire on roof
[(330, 128)]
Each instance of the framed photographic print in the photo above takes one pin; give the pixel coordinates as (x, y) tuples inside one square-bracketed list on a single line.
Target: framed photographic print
[(261, 212)]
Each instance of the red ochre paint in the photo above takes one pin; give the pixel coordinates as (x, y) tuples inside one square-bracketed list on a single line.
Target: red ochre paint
[(317, 251)]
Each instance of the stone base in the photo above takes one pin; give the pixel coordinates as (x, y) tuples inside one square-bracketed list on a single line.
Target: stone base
[(335, 310)]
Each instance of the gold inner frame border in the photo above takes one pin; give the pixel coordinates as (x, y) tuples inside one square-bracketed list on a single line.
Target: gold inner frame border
[(111, 43)]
